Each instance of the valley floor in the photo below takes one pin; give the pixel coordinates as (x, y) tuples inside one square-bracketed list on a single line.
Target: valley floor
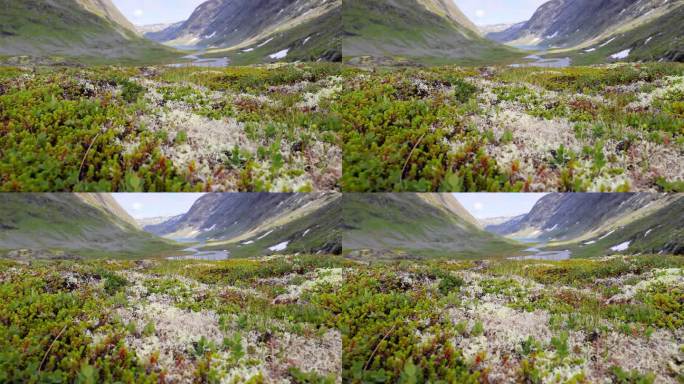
[(169, 129), (603, 128), (307, 319), (307, 127)]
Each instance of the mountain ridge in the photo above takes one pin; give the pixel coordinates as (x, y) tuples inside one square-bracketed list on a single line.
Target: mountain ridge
[(596, 223), (601, 27), (91, 30), (75, 225), (245, 28), (411, 225), (252, 223), (422, 31)]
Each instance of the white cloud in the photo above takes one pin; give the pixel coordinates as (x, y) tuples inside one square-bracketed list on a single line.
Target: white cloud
[(137, 206), (478, 206), (480, 13), (138, 12)]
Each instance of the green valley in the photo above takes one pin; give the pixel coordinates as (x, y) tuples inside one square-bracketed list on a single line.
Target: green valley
[(170, 129), (602, 128), (420, 292)]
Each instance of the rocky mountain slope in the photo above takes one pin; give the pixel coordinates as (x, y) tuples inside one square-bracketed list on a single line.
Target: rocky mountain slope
[(248, 223), (602, 222), (106, 9), (640, 29), (564, 216), (85, 29), (414, 225), (414, 30), (266, 29), (72, 225)]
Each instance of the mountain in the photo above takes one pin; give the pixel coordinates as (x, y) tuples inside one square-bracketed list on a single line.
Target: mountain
[(77, 225), (415, 225), (108, 11), (640, 29), (431, 31), (153, 28), (251, 223), (261, 30), (86, 29), (150, 221), (599, 222), (493, 28), (492, 221), (562, 216)]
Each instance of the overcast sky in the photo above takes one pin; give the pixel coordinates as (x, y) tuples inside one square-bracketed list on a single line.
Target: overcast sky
[(146, 205), (485, 12), (486, 205), (481, 12)]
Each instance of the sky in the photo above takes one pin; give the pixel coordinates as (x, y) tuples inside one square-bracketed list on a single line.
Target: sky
[(487, 205), (481, 12), (486, 12), (146, 205), (143, 12)]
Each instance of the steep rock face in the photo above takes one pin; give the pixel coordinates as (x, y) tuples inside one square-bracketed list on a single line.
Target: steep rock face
[(72, 28), (85, 225), (414, 225), (418, 30), (223, 214), (248, 27), (599, 223), (594, 24), (255, 222), (568, 215), (657, 227), (226, 215)]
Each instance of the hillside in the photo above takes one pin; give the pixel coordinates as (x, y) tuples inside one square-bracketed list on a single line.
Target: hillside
[(415, 225), (602, 223), (252, 223), (425, 31), (107, 10), (565, 216), (89, 30), (263, 30), (657, 228), (73, 225), (595, 31)]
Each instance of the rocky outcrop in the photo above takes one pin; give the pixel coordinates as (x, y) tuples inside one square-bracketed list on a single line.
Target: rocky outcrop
[(568, 215), (227, 23), (569, 23)]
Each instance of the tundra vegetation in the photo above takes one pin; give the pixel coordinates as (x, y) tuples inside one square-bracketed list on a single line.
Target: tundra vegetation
[(316, 319), (304, 127), (615, 127), (264, 128)]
